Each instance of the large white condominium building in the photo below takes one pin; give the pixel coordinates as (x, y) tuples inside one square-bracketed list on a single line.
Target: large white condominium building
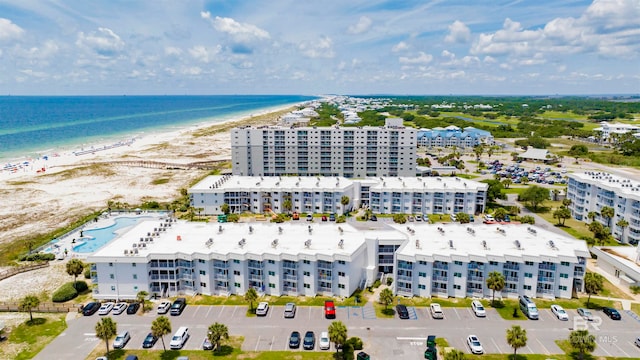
[(591, 191), (305, 194), (351, 152), (167, 257)]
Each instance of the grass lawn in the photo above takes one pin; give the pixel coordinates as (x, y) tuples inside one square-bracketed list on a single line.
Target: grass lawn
[(635, 308), (233, 300), (506, 307), (29, 338), (230, 350), (383, 313), (514, 190), (468, 176), (612, 291)]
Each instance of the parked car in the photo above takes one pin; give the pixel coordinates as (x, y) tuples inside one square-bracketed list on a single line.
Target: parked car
[(418, 217), (178, 306), (309, 217), (612, 313), (262, 309), (363, 356), (131, 357), (324, 343), (373, 218), (332, 217), (149, 341), (436, 311), (90, 308), (329, 309), (207, 344), (585, 313), (132, 309), (295, 216), (290, 310), (559, 312), (164, 307), (402, 311), (119, 308), (121, 340), (106, 308), (324, 217), (478, 308), (474, 345), (294, 340), (637, 342), (309, 341)]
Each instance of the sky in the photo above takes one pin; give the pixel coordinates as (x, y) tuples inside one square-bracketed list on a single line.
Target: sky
[(402, 47)]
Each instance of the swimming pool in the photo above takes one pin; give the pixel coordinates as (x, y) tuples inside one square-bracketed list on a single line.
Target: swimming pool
[(94, 239)]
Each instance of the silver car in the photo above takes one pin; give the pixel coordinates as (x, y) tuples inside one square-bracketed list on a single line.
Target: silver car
[(586, 314), (559, 312), (290, 310), (121, 340), (262, 308), (474, 345)]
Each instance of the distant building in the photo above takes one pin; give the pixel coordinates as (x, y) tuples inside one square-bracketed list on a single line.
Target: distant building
[(351, 152), (591, 191), (533, 154), (453, 136), (607, 129), (622, 263)]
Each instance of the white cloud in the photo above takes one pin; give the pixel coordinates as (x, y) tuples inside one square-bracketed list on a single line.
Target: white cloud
[(172, 51), (322, 48), (422, 58), (238, 31), (9, 30), (363, 25), (105, 42), (448, 55), (458, 33), (401, 46), (203, 54)]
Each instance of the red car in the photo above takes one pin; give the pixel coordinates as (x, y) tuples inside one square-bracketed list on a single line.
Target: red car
[(329, 310)]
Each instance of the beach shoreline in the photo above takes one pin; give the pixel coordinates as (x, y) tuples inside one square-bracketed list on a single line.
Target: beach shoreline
[(71, 186)]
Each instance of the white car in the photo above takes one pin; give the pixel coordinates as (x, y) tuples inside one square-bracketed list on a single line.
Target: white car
[(324, 343), (474, 345), (559, 312), (121, 340), (119, 308), (105, 308), (488, 218), (637, 342), (164, 307), (586, 314), (478, 308), (436, 311), (262, 308)]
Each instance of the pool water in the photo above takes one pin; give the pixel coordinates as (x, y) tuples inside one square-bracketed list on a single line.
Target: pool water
[(94, 239)]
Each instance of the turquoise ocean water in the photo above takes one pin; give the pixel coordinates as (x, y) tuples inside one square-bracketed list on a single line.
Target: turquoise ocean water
[(32, 126)]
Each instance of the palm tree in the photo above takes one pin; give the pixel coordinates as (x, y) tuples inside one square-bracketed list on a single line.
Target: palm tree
[(141, 296), (344, 200), (105, 329), (386, 297), (251, 296), (28, 303), (524, 180), (593, 284), (217, 332), (160, 327), (566, 201), (338, 333), (75, 268), (517, 338), (478, 150), (495, 282), (286, 205), (592, 215), (455, 355), (506, 183), (607, 213), (623, 224), (582, 342), (555, 193)]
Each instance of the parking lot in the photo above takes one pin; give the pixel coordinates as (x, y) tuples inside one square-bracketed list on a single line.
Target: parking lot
[(384, 338)]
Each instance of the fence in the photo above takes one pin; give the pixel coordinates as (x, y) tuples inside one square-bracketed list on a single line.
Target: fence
[(42, 308), (20, 269)]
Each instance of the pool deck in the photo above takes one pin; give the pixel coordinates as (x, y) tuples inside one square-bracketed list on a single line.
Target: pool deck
[(63, 246)]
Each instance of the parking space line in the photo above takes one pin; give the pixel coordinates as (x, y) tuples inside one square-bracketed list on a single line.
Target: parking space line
[(233, 314), (271, 313), (221, 310), (605, 350), (195, 313), (619, 348), (208, 311), (496, 345), (458, 315), (529, 348), (257, 343), (273, 339), (546, 352)]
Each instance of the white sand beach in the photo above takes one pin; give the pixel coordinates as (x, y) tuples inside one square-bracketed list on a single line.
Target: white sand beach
[(71, 185)]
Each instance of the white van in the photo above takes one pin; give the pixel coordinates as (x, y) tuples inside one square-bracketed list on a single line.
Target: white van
[(179, 338), (528, 307)]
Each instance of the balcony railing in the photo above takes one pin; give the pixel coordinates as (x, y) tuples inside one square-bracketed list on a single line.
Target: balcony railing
[(255, 277), (511, 278), (288, 277), (546, 279), (440, 278), (289, 265), (551, 267), (220, 265), (406, 266), (404, 278), (327, 266), (475, 278), (507, 266), (221, 276), (161, 265), (163, 277), (441, 266)]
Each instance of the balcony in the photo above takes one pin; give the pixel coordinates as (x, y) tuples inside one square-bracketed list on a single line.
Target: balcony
[(325, 265), (473, 266), (551, 267), (511, 278), (161, 265), (546, 279), (162, 277), (221, 276), (508, 266), (405, 266), (288, 277), (441, 266), (324, 288), (440, 278), (220, 265), (185, 277), (292, 289), (404, 278), (475, 278)]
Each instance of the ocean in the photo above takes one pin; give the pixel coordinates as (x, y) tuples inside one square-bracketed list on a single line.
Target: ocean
[(33, 126)]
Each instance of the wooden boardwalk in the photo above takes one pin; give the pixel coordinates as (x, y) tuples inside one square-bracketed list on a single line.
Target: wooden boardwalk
[(198, 165)]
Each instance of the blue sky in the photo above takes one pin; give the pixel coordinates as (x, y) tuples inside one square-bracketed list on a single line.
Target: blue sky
[(316, 47)]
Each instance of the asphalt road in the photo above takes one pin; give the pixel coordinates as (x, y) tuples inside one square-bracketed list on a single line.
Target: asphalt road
[(383, 338)]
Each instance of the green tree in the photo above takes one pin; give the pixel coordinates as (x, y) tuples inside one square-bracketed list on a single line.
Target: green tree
[(577, 151), (286, 205), (582, 342), (455, 355), (463, 218), (500, 213), (623, 224), (592, 215), (75, 267), (566, 202), (337, 333), (495, 282), (555, 193), (607, 213), (478, 150), (494, 191), (535, 195), (28, 303), (225, 209), (506, 183), (160, 327), (593, 284), (106, 328), (386, 297), (517, 338), (141, 296), (344, 200), (524, 180), (251, 296), (562, 214), (528, 219), (399, 218), (217, 332)]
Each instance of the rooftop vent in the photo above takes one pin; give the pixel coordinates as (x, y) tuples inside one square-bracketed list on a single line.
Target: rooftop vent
[(274, 243), (518, 246), (340, 229), (451, 244), (441, 230), (341, 243), (280, 229), (310, 229), (250, 229), (307, 243), (501, 231), (532, 230), (209, 242), (242, 242), (417, 244), (126, 252), (471, 231), (220, 228), (484, 244), (552, 245)]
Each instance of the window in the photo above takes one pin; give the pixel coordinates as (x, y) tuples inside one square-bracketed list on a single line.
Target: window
[(341, 286), (529, 275), (457, 262), (135, 276), (494, 263), (422, 262), (422, 274), (202, 284), (528, 263), (110, 264), (272, 273), (527, 287), (306, 273), (457, 274), (564, 263), (422, 287), (133, 264), (113, 288), (271, 261), (202, 272), (562, 287), (566, 276), (111, 276), (307, 286), (457, 287), (236, 261), (236, 285), (306, 262), (340, 273), (201, 261), (236, 272), (342, 262), (272, 285)]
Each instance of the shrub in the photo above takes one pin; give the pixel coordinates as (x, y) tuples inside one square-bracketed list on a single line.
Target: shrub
[(341, 219), (81, 286), (67, 291), (389, 280), (233, 218), (355, 342), (399, 218), (87, 273), (376, 284), (38, 257)]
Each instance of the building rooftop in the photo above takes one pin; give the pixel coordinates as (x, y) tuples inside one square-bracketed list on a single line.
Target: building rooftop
[(606, 180), (273, 183), (245, 240), (427, 183), (502, 243)]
